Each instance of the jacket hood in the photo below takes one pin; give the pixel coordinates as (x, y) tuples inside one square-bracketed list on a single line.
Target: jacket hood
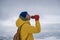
[(19, 22)]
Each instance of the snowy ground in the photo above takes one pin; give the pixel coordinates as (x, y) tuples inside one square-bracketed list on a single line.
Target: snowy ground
[(49, 38)]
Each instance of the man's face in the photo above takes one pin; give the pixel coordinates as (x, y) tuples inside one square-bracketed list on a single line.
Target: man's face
[(28, 17)]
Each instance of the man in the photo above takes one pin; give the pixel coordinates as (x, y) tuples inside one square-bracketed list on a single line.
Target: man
[(27, 30)]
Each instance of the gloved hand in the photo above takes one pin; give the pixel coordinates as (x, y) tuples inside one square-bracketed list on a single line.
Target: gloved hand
[(36, 17)]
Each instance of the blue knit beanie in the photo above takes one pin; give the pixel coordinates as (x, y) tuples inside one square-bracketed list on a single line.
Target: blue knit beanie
[(23, 14)]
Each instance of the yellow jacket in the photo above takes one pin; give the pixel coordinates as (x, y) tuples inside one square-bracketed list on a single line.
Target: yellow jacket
[(27, 29)]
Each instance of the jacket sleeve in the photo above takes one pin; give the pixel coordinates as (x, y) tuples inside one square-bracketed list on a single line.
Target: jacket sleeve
[(31, 29)]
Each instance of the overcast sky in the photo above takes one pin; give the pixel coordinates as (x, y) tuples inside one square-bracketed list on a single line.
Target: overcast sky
[(48, 10)]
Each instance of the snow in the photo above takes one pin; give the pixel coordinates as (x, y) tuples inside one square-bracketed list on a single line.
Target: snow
[(49, 38)]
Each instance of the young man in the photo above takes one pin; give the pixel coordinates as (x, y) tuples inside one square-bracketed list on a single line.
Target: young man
[(27, 30)]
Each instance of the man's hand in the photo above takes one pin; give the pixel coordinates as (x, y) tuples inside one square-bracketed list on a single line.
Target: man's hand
[(36, 17)]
